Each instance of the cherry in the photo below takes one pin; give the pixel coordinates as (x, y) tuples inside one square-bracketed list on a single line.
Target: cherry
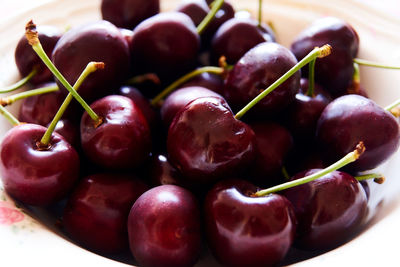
[(122, 140), (161, 172), (142, 102), (228, 41), (166, 44), (33, 174), (128, 13), (352, 118), (97, 211), (256, 70), (329, 210), (244, 230), (180, 98), (302, 115), (164, 227), (100, 41), (210, 81), (336, 71), (206, 143), (273, 144), (26, 59), (197, 10)]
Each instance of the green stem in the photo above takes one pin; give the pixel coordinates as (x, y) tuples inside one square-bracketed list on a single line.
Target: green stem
[(285, 173), (39, 91), (311, 79), (316, 52), (183, 79), (20, 83), (393, 105), (32, 36), (375, 64), (356, 75), (259, 13), (10, 117), (351, 157), (91, 67), (216, 5), (378, 178)]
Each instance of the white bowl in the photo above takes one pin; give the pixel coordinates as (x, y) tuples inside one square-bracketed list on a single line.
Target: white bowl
[(29, 236)]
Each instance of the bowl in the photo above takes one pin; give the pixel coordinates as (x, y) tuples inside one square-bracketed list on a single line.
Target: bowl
[(30, 235)]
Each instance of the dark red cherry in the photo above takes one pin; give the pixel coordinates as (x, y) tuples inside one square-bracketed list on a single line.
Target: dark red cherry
[(97, 211), (302, 115), (161, 172), (35, 175), (197, 10), (123, 139), (210, 81), (128, 13), (164, 227), (127, 34), (69, 130), (180, 98), (237, 36), (40, 109), (274, 143), (247, 231), (26, 58), (255, 71), (142, 102), (329, 210), (350, 119), (166, 44), (97, 41), (206, 143), (334, 72)]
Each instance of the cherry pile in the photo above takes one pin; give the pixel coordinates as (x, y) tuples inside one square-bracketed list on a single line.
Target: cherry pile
[(201, 131)]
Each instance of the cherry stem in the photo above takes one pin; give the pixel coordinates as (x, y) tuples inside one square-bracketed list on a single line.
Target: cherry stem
[(393, 106), (20, 83), (378, 178), (259, 13), (91, 67), (374, 64), (143, 78), (5, 101), (311, 79), (285, 173), (215, 6), (356, 75), (183, 79), (32, 37), (10, 117), (317, 52), (350, 157)]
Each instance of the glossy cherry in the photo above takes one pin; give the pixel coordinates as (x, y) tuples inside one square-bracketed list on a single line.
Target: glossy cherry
[(97, 211), (122, 140), (329, 210), (206, 143), (33, 174), (26, 59), (255, 71), (97, 41), (210, 81), (237, 36), (180, 98), (197, 10), (247, 231), (164, 227), (334, 72), (166, 44), (350, 119), (161, 172), (273, 144), (128, 13)]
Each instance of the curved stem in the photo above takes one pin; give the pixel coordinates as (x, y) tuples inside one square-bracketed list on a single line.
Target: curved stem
[(375, 64), (311, 79), (316, 52), (350, 157), (183, 79), (39, 91), (216, 5), (378, 178), (259, 13), (20, 83), (10, 117), (356, 75), (32, 36), (91, 67)]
